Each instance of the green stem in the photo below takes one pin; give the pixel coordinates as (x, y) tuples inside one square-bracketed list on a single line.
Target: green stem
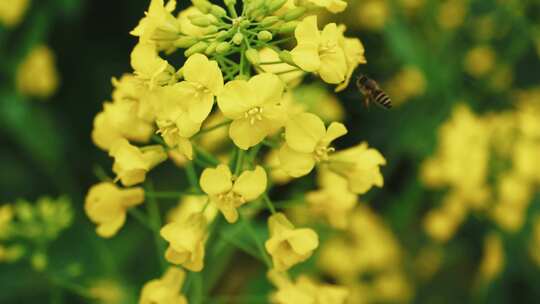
[(171, 194), (192, 176), (269, 204), (287, 71), (205, 156), (141, 218), (236, 243), (239, 161), (258, 242), (155, 218), (71, 287), (271, 62)]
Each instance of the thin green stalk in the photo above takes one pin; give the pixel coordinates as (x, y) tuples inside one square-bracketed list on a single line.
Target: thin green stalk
[(239, 161), (155, 218), (192, 176), (258, 242), (285, 72), (141, 218), (205, 156), (212, 128), (243, 247), (271, 62), (269, 204)]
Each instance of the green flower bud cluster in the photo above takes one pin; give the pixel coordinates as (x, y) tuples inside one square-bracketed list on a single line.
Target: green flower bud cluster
[(26, 228)]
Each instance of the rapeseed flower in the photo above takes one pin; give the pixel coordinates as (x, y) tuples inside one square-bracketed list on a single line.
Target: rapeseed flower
[(228, 193), (288, 245), (165, 290), (150, 68), (254, 106), (106, 205), (159, 26), (37, 75)]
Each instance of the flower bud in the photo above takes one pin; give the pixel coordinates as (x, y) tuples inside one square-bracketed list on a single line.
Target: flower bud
[(222, 35), (211, 29), (223, 47), (270, 20), (202, 5), (252, 56), (218, 11), (264, 36), (185, 42), (258, 12), (199, 47), (286, 57), (230, 2), (200, 20), (244, 23), (274, 5), (288, 27), (237, 38), (211, 49), (293, 14)]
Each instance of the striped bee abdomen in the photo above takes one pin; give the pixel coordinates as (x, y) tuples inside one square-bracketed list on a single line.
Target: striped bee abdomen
[(382, 98)]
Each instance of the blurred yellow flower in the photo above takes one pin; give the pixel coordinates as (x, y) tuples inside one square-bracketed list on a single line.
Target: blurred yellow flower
[(131, 163), (360, 166), (106, 206), (333, 201), (288, 245), (187, 239), (255, 108), (333, 6), (37, 75), (12, 12), (165, 290), (452, 13), (307, 143), (354, 56), (305, 291), (493, 258), (319, 51), (479, 61), (191, 204), (372, 14), (229, 193)]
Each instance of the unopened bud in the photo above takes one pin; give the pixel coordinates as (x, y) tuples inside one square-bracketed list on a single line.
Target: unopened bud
[(222, 35), (264, 36), (200, 20), (202, 5), (237, 38), (218, 11), (211, 49), (244, 23), (288, 27), (223, 47), (274, 5), (270, 20), (199, 47), (294, 14), (252, 56), (211, 29), (286, 57), (185, 42)]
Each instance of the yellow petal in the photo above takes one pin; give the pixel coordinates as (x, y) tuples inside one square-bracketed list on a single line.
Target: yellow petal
[(204, 72), (303, 241), (268, 88), (294, 163), (235, 99), (333, 66), (307, 30), (304, 131), (216, 181), (335, 130), (306, 56), (246, 135), (251, 184), (110, 228)]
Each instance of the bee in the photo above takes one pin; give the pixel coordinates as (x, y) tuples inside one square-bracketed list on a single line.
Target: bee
[(372, 92)]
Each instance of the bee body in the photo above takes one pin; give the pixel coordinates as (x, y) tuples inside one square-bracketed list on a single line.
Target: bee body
[(372, 92)]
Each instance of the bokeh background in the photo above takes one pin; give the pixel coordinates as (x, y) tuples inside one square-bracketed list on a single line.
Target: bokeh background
[(469, 65)]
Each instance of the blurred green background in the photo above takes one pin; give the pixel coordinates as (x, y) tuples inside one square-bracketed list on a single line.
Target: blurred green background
[(45, 146)]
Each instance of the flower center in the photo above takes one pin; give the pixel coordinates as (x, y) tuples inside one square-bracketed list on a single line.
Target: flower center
[(321, 152), (232, 198), (327, 47), (254, 115), (200, 89)]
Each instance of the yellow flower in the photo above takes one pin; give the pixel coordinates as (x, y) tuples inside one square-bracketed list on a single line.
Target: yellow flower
[(255, 108), (319, 51), (37, 75), (354, 56), (229, 193), (186, 239), (202, 81), (165, 290), (479, 61), (333, 6), (119, 120), (131, 89), (360, 165), (11, 12), (190, 204), (333, 201), (131, 163), (372, 14), (6, 217), (287, 245), (159, 25), (307, 143), (305, 291), (106, 205), (189, 28), (149, 67), (493, 258)]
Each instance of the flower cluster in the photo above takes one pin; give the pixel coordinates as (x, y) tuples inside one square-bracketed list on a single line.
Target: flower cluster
[(25, 228), (237, 77)]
